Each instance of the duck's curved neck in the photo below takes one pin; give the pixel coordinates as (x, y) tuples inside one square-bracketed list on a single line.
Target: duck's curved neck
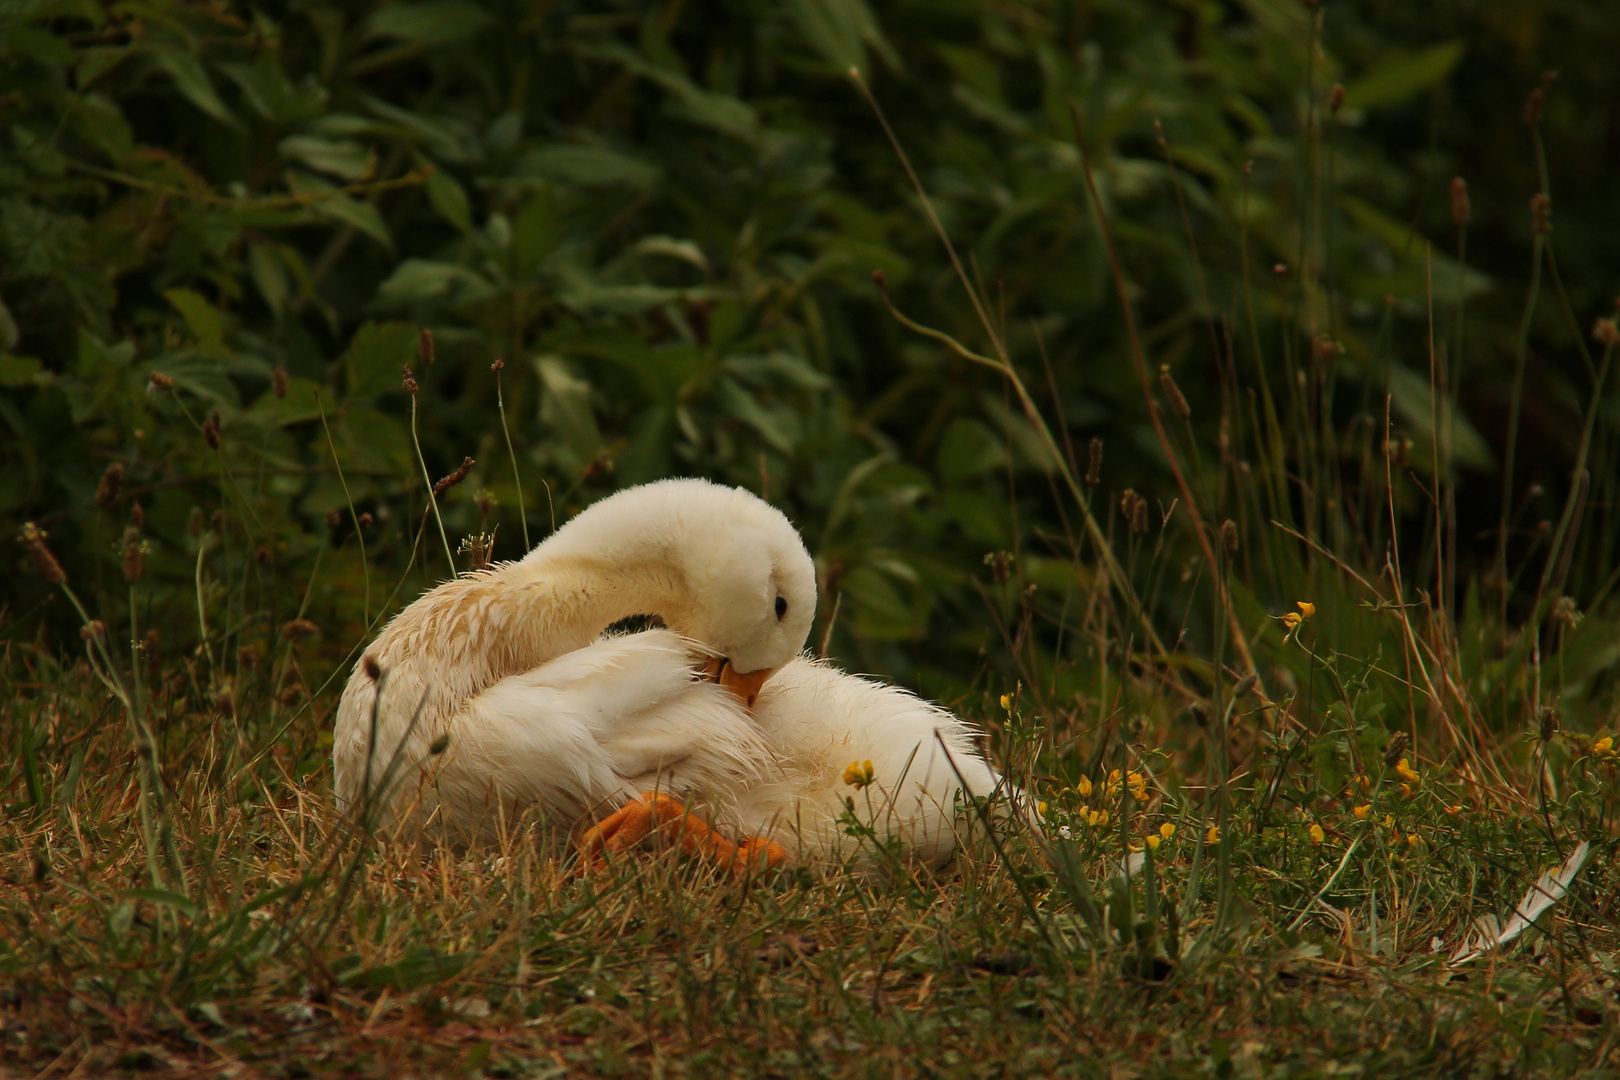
[(574, 595)]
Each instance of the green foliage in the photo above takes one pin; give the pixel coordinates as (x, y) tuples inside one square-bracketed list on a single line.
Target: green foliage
[(662, 219)]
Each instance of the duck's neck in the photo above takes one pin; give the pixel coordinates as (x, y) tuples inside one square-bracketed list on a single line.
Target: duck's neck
[(569, 597)]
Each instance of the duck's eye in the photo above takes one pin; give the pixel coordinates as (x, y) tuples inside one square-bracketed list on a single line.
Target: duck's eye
[(781, 607)]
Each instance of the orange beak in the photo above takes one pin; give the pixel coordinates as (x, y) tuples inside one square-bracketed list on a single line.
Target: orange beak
[(745, 686)]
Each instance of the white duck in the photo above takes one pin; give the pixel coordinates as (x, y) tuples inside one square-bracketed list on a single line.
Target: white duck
[(540, 713)]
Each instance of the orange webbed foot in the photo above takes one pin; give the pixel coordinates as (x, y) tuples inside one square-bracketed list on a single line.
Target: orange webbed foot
[(656, 813), (758, 852)]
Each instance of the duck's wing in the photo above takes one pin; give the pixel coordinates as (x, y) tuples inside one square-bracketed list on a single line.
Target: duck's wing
[(592, 727)]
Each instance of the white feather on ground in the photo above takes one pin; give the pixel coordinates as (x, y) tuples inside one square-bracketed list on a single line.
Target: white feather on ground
[(1490, 933)]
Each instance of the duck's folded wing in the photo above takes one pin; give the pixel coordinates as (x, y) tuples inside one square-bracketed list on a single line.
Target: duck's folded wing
[(590, 726)]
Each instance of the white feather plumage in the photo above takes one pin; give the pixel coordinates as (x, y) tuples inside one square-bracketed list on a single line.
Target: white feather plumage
[(540, 717)]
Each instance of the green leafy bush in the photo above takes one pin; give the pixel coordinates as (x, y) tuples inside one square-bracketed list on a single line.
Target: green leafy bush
[(662, 220)]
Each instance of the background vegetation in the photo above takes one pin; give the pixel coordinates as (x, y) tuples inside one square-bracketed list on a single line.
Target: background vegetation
[(643, 237)]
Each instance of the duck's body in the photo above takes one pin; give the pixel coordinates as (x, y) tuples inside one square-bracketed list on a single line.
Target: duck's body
[(579, 736), (671, 549), (816, 721), (504, 673)]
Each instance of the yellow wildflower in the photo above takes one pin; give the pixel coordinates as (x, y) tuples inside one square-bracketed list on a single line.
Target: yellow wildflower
[(1317, 834), (858, 774), (1413, 840), (1084, 787), (1454, 810), (1292, 621), (1361, 812), (1006, 702), (1153, 842), (1604, 747), (1138, 784), (1407, 772), (1167, 830), (1407, 791), (1213, 836), (1097, 818), (1040, 807), (1306, 608)]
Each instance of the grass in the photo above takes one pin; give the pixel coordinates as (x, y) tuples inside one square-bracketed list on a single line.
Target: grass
[(1318, 803), (292, 947)]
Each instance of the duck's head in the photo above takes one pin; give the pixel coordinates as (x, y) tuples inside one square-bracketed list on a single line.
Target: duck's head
[(739, 578), (755, 590)]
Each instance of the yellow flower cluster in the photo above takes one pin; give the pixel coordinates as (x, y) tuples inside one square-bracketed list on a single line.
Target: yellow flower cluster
[(1604, 747), (1166, 831), (1318, 835), (1410, 776), (1095, 818), (859, 774), (1137, 782), (1292, 620)]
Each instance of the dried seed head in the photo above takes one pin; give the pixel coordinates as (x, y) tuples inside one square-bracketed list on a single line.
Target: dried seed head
[(1173, 394), (1094, 461), (278, 382), (210, 429), (137, 516), (1397, 747), (600, 466), (498, 366), (112, 483), (1537, 101), (880, 279), (1229, 536), (424, 346), (333, 518), (1000, 564), (1606, 333), (300, 628), (480, 546), (1133, 508), (365, 521), (133, 550), (1461, 210), (447, 482), (1549, 724), (94, 630), (1279, 269), (262, 556), (409, 381), (33, 538), (1540, 214), (1335, 100), (160, 381)]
